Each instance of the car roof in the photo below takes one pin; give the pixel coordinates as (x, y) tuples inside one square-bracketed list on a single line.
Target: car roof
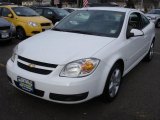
[(9, 6), (49, 7), (71, 8), (120, 9)]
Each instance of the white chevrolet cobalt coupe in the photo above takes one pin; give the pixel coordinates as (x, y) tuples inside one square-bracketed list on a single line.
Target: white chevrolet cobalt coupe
[(85, 55)]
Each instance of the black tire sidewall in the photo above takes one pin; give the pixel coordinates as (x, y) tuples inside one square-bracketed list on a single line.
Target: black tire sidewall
[(21, 30)]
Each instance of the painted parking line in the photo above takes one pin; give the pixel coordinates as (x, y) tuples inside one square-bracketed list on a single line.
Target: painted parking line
[(2, 65)]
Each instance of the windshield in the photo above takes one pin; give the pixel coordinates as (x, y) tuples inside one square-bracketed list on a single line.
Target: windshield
[(93, 22), (154, 12), (61, 12), (24, 11)]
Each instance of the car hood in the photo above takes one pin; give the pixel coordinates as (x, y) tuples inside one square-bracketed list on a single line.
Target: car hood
[(37, 19), (61, 47), (4, 22)]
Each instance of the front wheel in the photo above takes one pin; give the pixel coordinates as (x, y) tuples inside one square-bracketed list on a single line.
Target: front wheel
[(113, 84), (21, 35)]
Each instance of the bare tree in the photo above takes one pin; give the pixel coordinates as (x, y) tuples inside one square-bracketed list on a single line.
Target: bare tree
[(130, 4), (149, 3)]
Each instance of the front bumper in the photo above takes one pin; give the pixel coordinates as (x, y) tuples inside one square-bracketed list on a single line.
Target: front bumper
[(12, 35), (30, 31), (54, 88)]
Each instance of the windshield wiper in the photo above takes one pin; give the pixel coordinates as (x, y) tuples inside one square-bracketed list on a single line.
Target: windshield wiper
[(81, 32), (57, 29), (76, 31), (22, 15), (33, 15)]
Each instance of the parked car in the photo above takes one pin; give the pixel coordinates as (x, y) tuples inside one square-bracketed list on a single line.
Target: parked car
[(27, 21), (108, 4), (52, 13), (7, 30), (154, 15), (70, 9), (83, 56)]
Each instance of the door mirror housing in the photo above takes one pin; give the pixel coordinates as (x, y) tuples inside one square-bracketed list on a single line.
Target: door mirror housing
[(56, 23), (10, 15), (135, 33)]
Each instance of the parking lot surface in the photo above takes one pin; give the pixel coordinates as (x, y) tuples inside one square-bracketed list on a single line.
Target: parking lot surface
[(138, 99)]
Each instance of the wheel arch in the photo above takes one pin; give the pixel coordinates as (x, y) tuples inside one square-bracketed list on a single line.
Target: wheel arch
[(19, 26), (110, 64)]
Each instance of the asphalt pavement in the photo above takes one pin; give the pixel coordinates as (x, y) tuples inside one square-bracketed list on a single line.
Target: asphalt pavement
[(138, 99)]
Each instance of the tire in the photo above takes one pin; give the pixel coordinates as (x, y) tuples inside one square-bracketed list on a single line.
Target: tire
[(113, 83), (150, 53), (21, 35), (158, 24)]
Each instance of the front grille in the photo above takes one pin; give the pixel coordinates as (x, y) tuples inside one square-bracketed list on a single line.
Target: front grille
[(33, 68), (45, 24), (5, 28), (37, 63)]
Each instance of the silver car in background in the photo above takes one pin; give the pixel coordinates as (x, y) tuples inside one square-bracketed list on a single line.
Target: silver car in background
[(154, 16)]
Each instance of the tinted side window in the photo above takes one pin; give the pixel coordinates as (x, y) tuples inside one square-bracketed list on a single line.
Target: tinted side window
[(135, 21), (48, 13), (145, 21), (6, 12), (39, 11)]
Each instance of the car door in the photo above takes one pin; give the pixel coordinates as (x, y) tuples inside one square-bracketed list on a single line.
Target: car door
[(135, 45), (146, 28)]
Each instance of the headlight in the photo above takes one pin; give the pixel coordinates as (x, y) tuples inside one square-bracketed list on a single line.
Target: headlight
[(15, 50), (80, 68), (33, 24)]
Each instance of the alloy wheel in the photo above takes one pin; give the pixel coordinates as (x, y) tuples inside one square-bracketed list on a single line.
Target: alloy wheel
[(114, 82)]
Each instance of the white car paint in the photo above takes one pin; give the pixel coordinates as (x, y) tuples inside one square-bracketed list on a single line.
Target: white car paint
[(62, 48), (72, 46)]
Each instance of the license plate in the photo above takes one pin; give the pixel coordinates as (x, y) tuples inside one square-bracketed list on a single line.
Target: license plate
[(4, 35), (25, 84)]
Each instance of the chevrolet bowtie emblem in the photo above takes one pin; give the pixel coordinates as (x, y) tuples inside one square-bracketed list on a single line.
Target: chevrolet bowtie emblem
[(31, 65)]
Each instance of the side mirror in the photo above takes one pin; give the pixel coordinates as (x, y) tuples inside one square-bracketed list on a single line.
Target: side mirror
[(10, 15), (56, 23), (135, 33)]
